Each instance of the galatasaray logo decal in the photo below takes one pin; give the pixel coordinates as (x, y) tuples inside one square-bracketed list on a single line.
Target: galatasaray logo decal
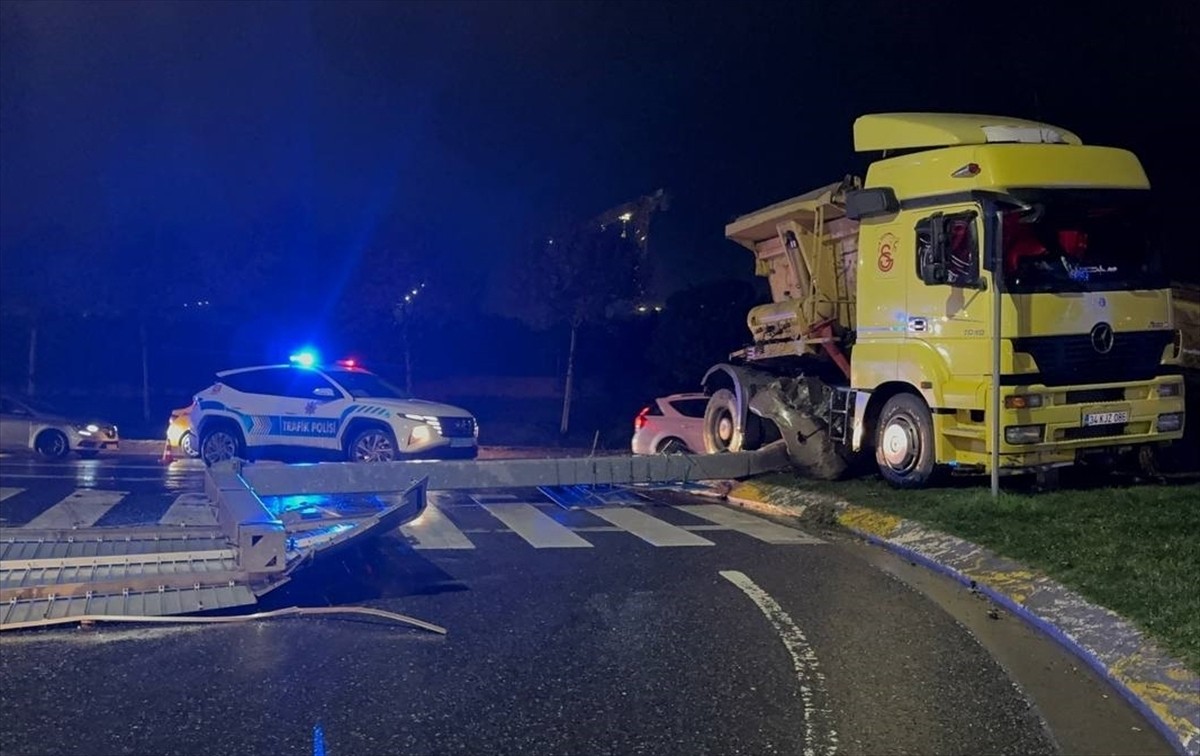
[(887, 247)]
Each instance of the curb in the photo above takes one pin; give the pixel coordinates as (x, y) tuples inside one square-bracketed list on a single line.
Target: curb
[(1162, 688)]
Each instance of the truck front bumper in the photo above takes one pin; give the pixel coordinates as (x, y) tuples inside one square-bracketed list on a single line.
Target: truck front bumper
[(1082, 419)]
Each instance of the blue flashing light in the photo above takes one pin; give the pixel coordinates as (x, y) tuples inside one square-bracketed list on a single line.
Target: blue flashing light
[(306, 358)]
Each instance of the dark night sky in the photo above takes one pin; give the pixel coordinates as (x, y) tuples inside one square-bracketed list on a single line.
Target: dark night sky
[(314, 130)]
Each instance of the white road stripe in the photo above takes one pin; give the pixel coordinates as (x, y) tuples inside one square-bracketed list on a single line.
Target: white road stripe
[(6, 493), (79, 510), (106, 478), (819, 736), (190, 509), (650, 529), (755, 527), (433, 530), (535, 526)]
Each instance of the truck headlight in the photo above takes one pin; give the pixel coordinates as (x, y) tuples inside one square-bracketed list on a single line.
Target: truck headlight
[(1166, 390), (1024, 434), (1023, 401), (1170, 422)]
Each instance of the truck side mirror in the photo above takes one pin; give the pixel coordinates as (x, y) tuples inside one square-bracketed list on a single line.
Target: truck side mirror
[(934, 272), (868, 203), (941, 261), (931, 250)]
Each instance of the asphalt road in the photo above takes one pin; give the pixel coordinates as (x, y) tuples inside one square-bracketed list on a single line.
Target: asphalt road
[(676, 626)]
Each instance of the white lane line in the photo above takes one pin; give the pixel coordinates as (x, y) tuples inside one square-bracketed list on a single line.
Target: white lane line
[(79, 510), (190, 509), (433, 530), (538, 528), (650, 529), (88, 477), (818, 738), (6, 493), (755, 527)]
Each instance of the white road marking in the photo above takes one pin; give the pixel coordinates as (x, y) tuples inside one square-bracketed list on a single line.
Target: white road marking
[(489, 498), (650, 529), (79, 510), (433, 530), (818, 738), (755, 527), (190, 509), (6, 493), (90, 477), (538, 528)]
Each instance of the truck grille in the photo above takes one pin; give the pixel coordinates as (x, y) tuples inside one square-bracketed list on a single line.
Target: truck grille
[(1096, 396), (1063, 360), (457, 427), (1095, 431)]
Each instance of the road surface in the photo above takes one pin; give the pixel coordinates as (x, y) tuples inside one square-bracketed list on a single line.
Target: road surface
[(674, 626)]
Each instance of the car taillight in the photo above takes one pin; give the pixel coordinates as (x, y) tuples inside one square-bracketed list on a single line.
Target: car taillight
[(639, 422)]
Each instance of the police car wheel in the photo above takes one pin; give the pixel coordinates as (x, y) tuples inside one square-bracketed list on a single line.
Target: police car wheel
[(373, 445), (219, 444)]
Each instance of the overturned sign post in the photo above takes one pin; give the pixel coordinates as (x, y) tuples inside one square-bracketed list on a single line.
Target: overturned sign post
[(57, 577), (452, 475)]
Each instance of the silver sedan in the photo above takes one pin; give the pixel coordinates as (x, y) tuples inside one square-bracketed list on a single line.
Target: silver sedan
[(25, 425)]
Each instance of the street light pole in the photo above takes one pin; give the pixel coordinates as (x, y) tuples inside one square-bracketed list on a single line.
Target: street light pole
[(997, 286)]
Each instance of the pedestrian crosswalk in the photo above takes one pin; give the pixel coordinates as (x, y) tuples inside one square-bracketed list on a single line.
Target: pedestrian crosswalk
[(449, 523), (79, 510), (95, 507), (540, 527)]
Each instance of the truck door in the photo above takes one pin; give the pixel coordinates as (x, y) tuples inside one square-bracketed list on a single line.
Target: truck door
[(947, 301)]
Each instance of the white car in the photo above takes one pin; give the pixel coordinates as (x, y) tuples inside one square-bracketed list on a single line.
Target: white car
[(671, 425), (274, 410), (25, 424)]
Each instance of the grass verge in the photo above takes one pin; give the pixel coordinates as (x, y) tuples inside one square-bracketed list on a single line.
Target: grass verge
[(1134, 549)]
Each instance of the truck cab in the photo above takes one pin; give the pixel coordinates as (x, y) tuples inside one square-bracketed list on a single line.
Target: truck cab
[(897, 278)]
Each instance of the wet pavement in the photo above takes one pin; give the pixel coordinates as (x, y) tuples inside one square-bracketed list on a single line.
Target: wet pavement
[(670, 627)]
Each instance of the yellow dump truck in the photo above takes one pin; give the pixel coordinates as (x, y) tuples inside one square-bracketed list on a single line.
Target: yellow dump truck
[(881, 334)]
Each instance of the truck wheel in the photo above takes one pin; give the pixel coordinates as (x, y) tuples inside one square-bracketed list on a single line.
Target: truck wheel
[(220, 442), (904, 442), (721, 431)]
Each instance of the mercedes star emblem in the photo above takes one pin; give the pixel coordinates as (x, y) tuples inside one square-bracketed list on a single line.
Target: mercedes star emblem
[(1102, 338)]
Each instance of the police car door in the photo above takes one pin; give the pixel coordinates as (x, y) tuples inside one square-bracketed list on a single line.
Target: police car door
[(309, 412)]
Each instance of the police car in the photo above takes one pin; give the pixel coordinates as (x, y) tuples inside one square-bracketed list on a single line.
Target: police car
[(341, 409)]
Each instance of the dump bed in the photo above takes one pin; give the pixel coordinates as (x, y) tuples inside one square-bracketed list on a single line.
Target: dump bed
[(808, 249)]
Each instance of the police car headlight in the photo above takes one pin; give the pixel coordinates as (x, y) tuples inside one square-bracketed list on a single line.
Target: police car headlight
[(427, 419)]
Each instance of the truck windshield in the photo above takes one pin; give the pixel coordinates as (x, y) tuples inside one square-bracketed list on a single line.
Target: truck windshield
[(1079, 240), (364, 385)]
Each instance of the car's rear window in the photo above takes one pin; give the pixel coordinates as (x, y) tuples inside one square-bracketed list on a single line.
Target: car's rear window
[(690, 407)]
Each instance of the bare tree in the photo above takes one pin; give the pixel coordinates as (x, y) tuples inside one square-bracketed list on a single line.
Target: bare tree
[(572, 279)]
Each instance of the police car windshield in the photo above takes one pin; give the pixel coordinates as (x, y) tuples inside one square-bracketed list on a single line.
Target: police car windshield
[(364, 385)]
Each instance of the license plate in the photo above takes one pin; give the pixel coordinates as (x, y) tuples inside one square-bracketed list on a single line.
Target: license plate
[(462, 442), (1105, 418)]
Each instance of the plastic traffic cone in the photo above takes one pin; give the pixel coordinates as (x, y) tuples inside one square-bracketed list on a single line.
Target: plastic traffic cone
[(167, 456)]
